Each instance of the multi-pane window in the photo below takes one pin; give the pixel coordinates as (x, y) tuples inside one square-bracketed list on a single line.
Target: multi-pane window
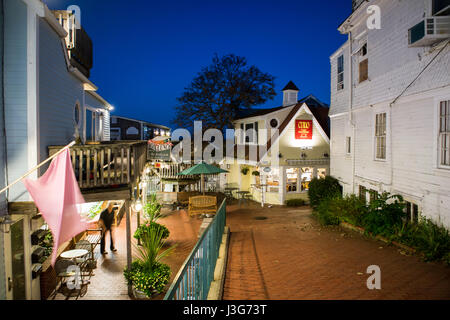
[(373, 195), (362, 193), (249, 133), (363, 64), (444, 133), (348, 145), (380, 136), (412, 212), (340, 72)]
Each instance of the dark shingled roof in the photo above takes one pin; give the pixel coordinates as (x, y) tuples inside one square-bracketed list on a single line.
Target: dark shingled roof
[(291, 86), (317, 107)]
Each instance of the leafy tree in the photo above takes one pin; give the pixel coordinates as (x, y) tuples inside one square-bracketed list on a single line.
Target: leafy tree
[(221, 90)]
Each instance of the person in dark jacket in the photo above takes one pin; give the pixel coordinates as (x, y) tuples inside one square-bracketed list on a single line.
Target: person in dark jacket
[(106, 220)]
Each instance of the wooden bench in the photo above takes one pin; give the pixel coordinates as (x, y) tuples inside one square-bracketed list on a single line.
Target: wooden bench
[(202, 205), (93, 238)]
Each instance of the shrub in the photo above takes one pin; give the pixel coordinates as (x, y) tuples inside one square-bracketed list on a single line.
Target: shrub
[(324, 188), (295, 202), (148, 281), (385, 214), (332, 211), (325, 214), (427, 237), (148, 227)]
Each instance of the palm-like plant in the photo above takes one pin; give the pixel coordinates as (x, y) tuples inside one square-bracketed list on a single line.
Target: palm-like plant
[(152, 209), (151, 253)]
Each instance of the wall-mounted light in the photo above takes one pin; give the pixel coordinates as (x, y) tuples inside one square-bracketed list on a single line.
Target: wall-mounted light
[(6, 223), (137, 205)]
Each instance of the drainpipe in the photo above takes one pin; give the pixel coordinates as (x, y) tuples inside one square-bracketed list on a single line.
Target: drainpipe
[(350, 104), (4, 138)]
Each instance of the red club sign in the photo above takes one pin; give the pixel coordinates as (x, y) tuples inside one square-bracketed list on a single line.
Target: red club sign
[(303, 129)]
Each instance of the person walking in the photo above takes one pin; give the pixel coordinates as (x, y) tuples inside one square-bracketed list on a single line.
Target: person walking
[(106, 220)]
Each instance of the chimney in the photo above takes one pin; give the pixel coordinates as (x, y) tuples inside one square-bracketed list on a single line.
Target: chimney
[(290, 94)]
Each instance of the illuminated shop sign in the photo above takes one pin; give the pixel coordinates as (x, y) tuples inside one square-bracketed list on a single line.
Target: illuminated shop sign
[(303, 129)]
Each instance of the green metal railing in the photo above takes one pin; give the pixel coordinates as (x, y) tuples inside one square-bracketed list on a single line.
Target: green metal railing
[(195, 276)]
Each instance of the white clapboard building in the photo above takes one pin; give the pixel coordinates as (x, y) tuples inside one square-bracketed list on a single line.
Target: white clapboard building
[(390, 104)]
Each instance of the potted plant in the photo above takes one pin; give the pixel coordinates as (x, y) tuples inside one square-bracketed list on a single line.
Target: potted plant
[(148, 275), (256, 173), (152, 212), (245, 170)]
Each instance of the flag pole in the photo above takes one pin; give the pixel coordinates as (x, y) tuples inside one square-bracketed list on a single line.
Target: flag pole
[(37, 167)]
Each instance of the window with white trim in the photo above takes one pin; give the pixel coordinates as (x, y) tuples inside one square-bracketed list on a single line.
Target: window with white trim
[(380, 136), (251, 133), (340, 72), (444, 133), (348, 145), (363, 63)]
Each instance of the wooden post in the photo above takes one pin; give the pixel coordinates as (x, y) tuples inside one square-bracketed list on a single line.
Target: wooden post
[(128, 211)]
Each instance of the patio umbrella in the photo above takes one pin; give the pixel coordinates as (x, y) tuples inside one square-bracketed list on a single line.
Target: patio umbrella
[(201, 169)]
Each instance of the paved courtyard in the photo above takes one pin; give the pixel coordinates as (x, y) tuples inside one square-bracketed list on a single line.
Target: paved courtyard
[(108, 282), (282, 253)]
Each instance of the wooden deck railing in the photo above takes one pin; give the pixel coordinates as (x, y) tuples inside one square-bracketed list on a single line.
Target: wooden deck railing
[(170, 171), (109, 164)]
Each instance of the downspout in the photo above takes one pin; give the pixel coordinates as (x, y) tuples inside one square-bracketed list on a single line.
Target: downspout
[(5, 151), (350, 104)]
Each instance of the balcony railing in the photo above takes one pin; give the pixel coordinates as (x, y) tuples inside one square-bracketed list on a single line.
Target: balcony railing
[(194, 279), (170, 172), (104, 165), (308, 162)]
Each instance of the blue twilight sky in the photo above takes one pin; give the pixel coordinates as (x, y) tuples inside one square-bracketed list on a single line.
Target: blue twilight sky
[(147, 52)]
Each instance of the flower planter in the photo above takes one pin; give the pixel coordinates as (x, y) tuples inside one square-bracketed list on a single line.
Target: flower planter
[(139, 295)]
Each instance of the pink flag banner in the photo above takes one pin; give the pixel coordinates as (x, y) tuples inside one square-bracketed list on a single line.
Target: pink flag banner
[(56, 195)]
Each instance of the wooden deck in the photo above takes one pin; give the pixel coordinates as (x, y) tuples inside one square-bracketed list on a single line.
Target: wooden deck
[(111, 166)]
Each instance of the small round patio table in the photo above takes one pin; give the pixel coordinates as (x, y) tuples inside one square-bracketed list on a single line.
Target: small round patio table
[(74, 254), (242, 195)]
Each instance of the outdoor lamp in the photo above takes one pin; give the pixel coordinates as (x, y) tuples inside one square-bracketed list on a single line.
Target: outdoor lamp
[(6, 222), (137, 206)]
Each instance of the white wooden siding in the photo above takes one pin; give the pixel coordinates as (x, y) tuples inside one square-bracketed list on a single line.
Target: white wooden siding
[(16, 93), (411, 168), (93, 102), (58, 92)]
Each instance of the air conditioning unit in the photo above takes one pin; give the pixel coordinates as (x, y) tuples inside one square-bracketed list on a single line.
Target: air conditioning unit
[(429, 31)]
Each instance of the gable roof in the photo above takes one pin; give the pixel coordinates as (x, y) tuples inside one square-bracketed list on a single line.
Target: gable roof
[(318, 108), (319, 112), (291, 86)]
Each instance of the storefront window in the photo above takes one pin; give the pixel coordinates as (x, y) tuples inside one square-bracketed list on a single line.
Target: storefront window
[(292, 179), (273, 180), (321, 173), (307, 174)]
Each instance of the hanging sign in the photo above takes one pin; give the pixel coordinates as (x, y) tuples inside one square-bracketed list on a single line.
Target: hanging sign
[(303, 129)]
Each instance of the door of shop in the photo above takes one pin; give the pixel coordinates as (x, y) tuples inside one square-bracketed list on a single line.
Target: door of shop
[(15, 261)]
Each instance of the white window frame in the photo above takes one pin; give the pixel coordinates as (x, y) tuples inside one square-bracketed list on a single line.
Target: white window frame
[(340, 84), (444, 134), (362, 58), (380, 136), (254, 133), (348, 145)]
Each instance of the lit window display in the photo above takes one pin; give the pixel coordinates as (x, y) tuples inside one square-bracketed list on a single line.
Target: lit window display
[(321, 173), (273, 180), (307, 174), (292, 179)]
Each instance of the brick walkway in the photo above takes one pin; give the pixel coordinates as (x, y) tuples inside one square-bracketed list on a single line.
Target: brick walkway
[(108, 282), (289, 256)]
